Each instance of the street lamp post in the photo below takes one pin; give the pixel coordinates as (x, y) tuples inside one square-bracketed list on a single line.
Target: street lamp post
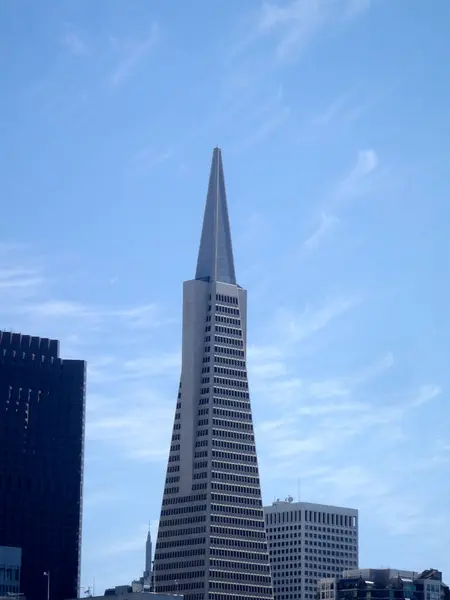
[(47, 574)]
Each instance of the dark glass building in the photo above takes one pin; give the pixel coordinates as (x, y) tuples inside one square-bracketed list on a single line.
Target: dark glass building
[(42, 407)]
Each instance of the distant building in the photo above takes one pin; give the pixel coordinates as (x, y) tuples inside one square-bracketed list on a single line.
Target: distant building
[(10, 564), (308, 542), (146, 581), (134, 592), (42, 403), (384, 584)]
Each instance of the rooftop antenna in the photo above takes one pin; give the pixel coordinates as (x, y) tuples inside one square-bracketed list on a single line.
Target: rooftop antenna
[(298, 488)]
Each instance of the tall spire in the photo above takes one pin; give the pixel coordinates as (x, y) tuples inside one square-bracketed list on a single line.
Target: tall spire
[(215, 258), (148, 552)]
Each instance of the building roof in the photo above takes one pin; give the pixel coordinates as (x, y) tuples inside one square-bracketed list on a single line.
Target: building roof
[(215, 258)]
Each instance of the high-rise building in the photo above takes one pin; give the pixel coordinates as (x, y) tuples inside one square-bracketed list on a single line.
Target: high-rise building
[(307, 542), (211, 541), (42, 404), (384, 584)]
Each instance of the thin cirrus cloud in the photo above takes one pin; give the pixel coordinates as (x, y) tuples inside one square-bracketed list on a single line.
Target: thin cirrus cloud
[(133, 53), (357, 182), (74, 43), (298, 23)]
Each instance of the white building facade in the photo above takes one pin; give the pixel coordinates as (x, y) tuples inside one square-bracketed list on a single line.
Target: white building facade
[(308, 542), (211, 542)]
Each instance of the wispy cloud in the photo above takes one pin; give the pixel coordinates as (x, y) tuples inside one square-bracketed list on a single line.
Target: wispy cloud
[(146, 159), (146, 315), (297, 24), (133, 54), (326, 224), (20, 278), (357, 181), (297, 327), (126, 427), (74, 43)]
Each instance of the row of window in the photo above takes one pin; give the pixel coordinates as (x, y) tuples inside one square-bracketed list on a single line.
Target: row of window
[(187, 499), (232, 403), (234, 467), (238, 533), (256, 513), (232, 445), (237, 521), (228, 330), (229, 596), (223, 498), (201, 464), (311, 516), (235, 477), (180, 576), (171, 490), (233, 393), (176, 587), (219, 339), (226, 299), (201, 453), (238, 543), (180, 542), (172, 479), (228, 320), (180, 510), (179, 554), (233, 456), (230, 361), (225, 350), (238, 489), (182, 521), (232, 424), (179, 532), (242, 383), (264, 579), (184, 564), (243, 554), (231, 414), (199, 486), (232, 372), (200, 443), (226, 309), (248, 566), (225, 433), (237, 587)]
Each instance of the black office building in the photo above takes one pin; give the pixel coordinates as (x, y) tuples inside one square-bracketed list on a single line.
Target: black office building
[(42, 407)]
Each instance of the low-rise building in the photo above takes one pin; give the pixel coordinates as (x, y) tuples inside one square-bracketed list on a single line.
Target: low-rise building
[(10, 565), (134, 592), (384, 584)]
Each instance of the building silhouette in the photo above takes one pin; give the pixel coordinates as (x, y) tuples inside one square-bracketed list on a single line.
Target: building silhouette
[(211, 540), (42, 404)]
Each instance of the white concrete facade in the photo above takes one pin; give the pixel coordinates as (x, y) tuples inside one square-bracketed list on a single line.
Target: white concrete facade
[(308, 542)]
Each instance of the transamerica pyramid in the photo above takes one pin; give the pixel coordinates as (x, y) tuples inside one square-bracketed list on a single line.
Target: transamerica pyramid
[(211, 541)]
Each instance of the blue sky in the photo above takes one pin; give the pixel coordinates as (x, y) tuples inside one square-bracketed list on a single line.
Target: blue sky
[(334, 120)]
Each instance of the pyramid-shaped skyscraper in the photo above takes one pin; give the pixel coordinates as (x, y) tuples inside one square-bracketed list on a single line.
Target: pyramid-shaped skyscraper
[(211, 541)]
